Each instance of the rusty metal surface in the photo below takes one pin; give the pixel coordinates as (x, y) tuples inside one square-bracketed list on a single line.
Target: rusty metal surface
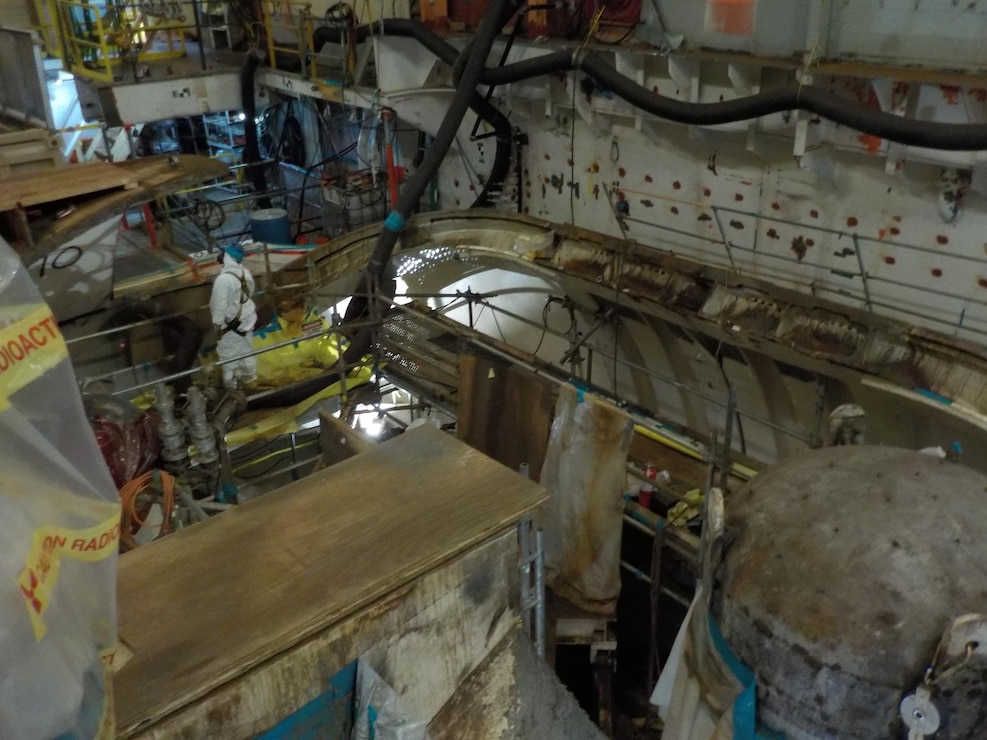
[(847, 564), (780, 322)]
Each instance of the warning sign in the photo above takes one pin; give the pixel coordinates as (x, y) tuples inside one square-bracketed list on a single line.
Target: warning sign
[(29, 346), (48, 546)]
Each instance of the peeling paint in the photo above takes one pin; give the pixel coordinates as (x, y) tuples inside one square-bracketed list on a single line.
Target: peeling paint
[(871, 143)]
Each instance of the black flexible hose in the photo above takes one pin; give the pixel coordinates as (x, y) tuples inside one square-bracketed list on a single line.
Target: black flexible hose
[(928, 134), (416, 185), (448, 54), (251, 145)]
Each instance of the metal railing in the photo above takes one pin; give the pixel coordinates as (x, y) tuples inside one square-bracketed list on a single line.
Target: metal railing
[(861, 285), (99, 37), (289, 26)]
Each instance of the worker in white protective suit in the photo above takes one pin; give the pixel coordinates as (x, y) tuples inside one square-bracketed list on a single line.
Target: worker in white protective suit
[(234, 315)]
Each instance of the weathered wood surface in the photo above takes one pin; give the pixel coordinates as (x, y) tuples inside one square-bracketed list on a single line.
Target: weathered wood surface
[(64, 182), (391, 634), (203, 606), (340, 441), (142, 180)]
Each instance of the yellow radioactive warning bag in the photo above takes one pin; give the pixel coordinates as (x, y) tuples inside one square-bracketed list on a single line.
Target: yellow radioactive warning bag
[(59, 528)]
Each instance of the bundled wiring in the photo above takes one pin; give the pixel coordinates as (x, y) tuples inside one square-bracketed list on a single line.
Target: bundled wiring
[(136, 500)]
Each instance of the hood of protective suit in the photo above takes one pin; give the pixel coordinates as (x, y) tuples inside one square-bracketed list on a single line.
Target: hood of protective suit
[(229, 261)]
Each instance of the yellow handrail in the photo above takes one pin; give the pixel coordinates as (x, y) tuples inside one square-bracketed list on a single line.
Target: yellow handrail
[(287, 22)]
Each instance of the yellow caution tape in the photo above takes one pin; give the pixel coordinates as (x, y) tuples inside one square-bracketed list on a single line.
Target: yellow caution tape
[(49, 545), (29, 346)]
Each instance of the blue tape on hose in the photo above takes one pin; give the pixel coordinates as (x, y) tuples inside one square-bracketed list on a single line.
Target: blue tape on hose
[(745, 707), (580, 395), (394, 221)]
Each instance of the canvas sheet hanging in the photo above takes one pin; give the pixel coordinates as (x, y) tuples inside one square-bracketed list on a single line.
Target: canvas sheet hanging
[(584, 473)]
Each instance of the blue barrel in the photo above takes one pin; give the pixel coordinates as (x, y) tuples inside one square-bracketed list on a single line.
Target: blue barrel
[(270, 225)]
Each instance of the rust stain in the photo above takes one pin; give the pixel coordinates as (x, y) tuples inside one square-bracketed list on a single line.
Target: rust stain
[(675, 210), (772, 233), (707, 192), (942, 239), (738, 197), (654, 89), (936, 272), (569, 162), (799, 248), (737, 224), (897, 218), (889, 260), (871, 143), (814, 213), (894, 231), (951, 94), (852, 221), (810, 243), (704, 217), (456, 183), (647, 203), (982, 282), (775, 206), (980, 94), (649, 178), (621, 171), (595, 167), (677, 185), (881, 233), (547, 157)]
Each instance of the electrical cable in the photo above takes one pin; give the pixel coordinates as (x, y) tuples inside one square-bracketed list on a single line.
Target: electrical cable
[(308, 171), (129, 515)]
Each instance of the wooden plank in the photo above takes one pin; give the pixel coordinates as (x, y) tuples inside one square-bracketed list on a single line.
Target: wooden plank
[(203, 606), (505, 411), (266, 695), (340, 441), (61, 183), (151, 176)]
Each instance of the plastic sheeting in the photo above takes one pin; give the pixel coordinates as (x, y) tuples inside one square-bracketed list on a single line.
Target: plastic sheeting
[(379, 715), (59, 525), (585, 475)]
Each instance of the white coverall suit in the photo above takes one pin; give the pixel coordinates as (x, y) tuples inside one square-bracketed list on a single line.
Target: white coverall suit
[(231, 299)]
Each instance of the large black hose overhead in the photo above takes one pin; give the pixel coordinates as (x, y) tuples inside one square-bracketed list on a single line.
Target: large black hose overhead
[(417, 184), (927, 134), (251, 145), (448, 54)]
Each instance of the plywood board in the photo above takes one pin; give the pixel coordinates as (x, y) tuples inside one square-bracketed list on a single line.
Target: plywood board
[(144, 180), (482, 582), (505, 412), (205, 605), (62, 183)]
